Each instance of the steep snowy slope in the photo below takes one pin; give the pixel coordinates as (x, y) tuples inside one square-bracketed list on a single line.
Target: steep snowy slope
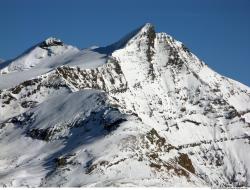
[(144, 111)]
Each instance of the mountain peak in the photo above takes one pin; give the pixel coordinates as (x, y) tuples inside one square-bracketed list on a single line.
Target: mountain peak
[(146, 27), (145, 30), (51, 41)]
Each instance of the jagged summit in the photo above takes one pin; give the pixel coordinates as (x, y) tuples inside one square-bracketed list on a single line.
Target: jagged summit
[(144, 30), (128, 39), (147, 26)]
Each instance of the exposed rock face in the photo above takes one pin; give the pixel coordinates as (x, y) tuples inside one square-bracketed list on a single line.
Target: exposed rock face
[(152, 115)]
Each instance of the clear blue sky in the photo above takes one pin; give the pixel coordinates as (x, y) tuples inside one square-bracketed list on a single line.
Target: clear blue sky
[(217, 31)]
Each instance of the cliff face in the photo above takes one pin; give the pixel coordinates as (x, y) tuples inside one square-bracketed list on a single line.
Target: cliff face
[(147, 113)]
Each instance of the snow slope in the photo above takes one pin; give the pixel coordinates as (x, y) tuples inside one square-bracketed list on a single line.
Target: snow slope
[(144, 111), (45, 57)]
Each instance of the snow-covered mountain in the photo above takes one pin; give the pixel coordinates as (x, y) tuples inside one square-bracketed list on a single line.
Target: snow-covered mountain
[(37, 55), (143, 111)]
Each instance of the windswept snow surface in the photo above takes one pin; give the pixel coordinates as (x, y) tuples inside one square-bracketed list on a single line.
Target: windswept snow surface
[(144, 111)]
